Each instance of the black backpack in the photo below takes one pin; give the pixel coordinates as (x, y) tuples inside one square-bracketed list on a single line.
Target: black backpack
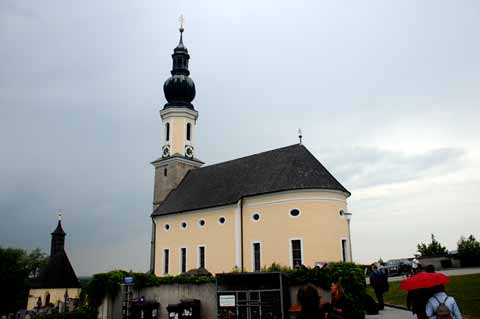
[(442, 311)]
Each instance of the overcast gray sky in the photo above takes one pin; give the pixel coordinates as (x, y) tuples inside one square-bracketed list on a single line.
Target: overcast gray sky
[(387, 94)]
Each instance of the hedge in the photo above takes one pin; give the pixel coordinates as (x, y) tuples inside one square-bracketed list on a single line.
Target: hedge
[(351, 276)]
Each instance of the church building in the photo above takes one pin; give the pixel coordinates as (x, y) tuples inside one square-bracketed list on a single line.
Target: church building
[(57, 282), (280, 206)]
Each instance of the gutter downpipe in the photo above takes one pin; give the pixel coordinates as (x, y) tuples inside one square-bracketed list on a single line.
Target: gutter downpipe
[(241, 233), (152, 246)]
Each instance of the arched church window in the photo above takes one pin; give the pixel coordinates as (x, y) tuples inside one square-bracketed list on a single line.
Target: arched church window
[(189, 133), (167, 134), (165, 172)]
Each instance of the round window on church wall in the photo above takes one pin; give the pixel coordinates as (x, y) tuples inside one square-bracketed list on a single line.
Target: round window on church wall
[(255, 217), (221, 220), (183, 225), (201, 222), (295, 213), (166, 227)]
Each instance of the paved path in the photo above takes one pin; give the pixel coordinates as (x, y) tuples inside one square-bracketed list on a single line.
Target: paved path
[(448, 272), (391, 313)]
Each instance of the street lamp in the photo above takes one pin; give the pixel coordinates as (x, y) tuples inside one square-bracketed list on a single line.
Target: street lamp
[(348, 217)]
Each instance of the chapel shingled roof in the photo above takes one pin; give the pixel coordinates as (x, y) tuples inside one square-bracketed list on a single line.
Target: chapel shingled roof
[(58, 273), (288, 168)]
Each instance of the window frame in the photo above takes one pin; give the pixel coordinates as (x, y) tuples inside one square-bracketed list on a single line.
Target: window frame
[(347, 249), (188, 133), (204, 223), (199, 264), (259, 253), (182, 266), (259, 217), (166, 265), (302, 251), (292, 209)]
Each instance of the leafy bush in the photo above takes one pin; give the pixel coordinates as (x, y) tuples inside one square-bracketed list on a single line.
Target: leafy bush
[(469, 251), (351, 277), (104, 284), (83, 312)]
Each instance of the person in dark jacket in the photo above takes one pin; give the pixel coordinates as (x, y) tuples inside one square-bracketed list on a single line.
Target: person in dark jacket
[(379, 283), (309, 301), (417, 300)]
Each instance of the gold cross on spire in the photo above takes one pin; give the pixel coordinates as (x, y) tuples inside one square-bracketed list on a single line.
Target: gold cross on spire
[(181, 19), (60, 211)]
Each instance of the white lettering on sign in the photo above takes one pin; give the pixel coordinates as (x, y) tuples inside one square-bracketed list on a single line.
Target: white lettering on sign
[(227, 301)]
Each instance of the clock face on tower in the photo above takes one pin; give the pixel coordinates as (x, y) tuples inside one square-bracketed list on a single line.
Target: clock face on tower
[(189, 151), (166, 151)]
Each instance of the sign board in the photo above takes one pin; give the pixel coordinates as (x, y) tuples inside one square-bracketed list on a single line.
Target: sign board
[(227, 301), (128, 280)]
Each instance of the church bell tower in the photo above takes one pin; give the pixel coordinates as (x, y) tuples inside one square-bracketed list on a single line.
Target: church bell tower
[(179, 119)]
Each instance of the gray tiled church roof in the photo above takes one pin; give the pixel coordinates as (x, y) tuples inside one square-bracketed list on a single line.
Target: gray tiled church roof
[(58, 273), (287, 168)]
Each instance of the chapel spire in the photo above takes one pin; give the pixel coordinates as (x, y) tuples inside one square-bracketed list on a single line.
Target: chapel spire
[(58, 238)]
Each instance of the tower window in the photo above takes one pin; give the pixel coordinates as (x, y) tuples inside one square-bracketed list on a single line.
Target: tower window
[(165, 261), (183, 260), (167, 133), (256, 257), (255, 217), (189, 131), (296, 252), (201, 257), (221, 220), (164, 172)]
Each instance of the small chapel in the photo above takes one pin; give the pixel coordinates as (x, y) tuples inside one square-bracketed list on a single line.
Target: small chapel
[(280, 206), (57, 283)]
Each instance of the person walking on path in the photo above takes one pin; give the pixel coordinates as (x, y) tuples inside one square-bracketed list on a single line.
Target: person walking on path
[(417, 300), (441, 306), (379, 283)]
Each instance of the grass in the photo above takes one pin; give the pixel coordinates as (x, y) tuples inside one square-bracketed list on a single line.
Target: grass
[(465, 289)]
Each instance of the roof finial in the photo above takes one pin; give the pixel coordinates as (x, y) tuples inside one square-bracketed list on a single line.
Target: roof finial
[(181, 19), (300, 136), (60, 211)]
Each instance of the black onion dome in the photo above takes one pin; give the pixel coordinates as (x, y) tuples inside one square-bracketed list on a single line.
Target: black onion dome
[(179, 89)]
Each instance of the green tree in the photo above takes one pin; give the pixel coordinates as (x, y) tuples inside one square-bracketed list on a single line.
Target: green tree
[(16, 266), (469, 251), (434, 249), (36, 261)]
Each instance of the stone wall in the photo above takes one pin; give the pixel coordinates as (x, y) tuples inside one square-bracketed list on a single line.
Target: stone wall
[(172, 294), (165, 295)]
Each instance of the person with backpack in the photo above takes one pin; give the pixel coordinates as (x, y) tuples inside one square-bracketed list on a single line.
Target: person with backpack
[(442, 306)]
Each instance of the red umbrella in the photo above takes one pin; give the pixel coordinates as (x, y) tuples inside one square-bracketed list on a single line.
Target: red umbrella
[(424, 280)]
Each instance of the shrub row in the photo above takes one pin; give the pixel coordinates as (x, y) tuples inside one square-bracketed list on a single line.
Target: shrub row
[(351, 276)]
